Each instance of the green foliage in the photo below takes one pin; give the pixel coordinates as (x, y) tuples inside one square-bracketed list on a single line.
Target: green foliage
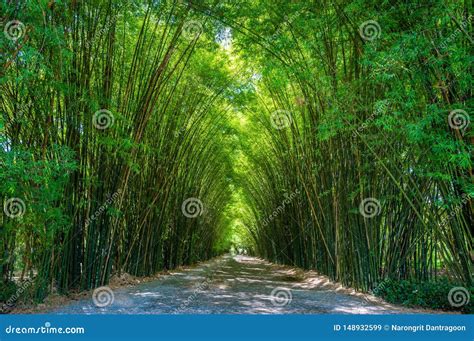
[(193, 99), (430, 294), (369, 119)]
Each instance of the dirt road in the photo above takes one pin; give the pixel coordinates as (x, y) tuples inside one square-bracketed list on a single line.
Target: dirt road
[(233, 285)]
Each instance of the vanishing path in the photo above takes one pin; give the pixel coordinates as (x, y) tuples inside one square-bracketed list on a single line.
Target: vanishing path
[(236, 284)]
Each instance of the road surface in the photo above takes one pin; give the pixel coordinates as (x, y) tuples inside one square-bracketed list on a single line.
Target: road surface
[(232, 285)]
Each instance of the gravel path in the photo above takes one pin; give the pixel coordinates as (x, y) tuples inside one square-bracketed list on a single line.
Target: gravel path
[(235, 285)]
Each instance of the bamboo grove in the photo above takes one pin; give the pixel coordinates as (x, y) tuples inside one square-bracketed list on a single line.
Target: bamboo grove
[(358, 127), (139, 136), (108, 131)]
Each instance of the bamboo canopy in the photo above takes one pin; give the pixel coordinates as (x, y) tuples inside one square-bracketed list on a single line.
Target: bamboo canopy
[(139, 136)]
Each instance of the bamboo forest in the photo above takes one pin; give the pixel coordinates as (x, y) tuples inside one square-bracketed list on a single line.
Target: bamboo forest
[(143, 138)]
